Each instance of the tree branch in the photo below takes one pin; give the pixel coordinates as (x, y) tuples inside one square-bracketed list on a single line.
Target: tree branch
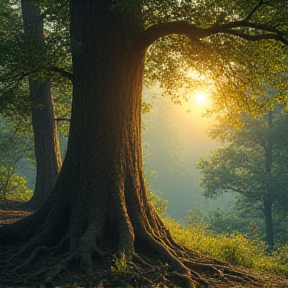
[(157, 31), (242, 24), (273, 32), (195, 33), (248, 17), (58, 119), (62, 72), (235, 189), (258, 36)]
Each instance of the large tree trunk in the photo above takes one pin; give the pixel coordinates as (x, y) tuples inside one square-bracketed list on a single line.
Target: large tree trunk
[(46, 142), (99, 206)]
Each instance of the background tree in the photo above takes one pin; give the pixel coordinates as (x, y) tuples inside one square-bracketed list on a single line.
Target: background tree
[(100, 195), (14, 148), (32, 59), (47, 151), (250, 164)]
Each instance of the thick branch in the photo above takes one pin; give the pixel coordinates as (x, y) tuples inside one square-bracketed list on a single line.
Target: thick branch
[(163, 29), (242, 24), (258, 36), (61, 71), (195, 33)]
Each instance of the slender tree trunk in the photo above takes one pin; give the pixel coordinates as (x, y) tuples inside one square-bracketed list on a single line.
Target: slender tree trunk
[(268, 203), (46, 142), (269, 222), (268, 147)]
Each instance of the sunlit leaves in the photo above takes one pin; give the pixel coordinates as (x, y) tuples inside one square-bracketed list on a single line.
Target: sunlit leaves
[(231, 169), (239, 73), (232, 69), (253, 161), (14, 147), (12, 186), (21, 55), (236, 248)]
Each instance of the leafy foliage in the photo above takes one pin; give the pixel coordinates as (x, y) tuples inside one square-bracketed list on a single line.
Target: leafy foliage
[(13, 148), (239, 216), (21, 56), (236, 248), (159, 204), (13, 187), (12, 54), (229, 68), (251, 162)]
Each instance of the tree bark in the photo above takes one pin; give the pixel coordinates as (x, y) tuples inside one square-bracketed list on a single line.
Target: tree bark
[(46, 144), (269, 222), (268, 203), (99, 206)]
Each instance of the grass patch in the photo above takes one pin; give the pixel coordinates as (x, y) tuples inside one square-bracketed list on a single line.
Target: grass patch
[(236, 248)]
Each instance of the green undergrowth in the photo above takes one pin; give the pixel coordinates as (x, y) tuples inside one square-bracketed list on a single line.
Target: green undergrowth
[(12, 186), (235, 248)]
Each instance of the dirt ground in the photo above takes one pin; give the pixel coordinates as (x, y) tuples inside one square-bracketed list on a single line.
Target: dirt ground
[(11, 211)]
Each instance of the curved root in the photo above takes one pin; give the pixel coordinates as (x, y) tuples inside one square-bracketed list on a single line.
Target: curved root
[(36, 253), (187, 276)]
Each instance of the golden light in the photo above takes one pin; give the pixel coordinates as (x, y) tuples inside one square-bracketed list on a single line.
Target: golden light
[(201, 98), (197, 101)]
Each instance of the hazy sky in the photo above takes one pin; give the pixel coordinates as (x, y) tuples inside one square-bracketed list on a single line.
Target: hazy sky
[(177, 138)]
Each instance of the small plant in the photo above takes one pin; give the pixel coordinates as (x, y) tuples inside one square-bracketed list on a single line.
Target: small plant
[(122, 271), (197, 285), (120, 265)]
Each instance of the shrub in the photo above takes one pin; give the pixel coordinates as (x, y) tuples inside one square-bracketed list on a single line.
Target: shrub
[(235, 248), (12, 186)]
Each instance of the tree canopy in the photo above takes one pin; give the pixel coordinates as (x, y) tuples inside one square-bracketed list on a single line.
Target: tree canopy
[(230, 68), (101, 196), (251, 163)]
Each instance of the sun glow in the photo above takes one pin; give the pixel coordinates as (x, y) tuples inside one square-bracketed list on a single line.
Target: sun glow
[(197, 101), (201, 98)]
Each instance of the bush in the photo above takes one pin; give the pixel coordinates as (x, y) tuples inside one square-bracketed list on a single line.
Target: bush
[(12, 186), (281, 256), (235, 248)]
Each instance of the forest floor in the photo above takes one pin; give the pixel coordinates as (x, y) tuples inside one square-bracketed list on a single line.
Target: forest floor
[(11, 211)]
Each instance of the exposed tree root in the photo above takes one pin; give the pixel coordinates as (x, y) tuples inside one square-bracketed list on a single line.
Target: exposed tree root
[(147, 264), (36, 253), (148, 272), (90, 244)]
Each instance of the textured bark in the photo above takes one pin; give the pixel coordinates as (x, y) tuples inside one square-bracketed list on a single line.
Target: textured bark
[(99, 206), (269, 222), (46, 142)]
